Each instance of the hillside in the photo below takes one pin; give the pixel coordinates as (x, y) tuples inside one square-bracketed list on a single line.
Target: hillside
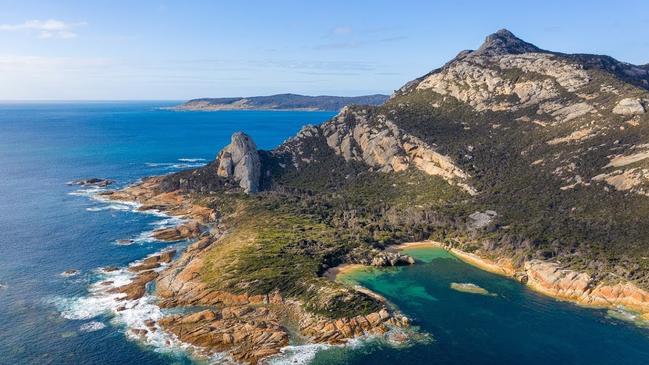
[(534, 160), (280, 102)]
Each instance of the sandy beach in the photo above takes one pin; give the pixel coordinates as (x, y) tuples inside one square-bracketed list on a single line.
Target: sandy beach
[(341, 269)]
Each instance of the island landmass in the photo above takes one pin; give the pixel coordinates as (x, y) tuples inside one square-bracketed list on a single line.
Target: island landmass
[(279, 102), (529, 163)]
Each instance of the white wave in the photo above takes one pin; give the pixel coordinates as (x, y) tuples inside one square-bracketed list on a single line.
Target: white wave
[(88, 192), (133, 314), (122, 207), (191, 159), (182, 164), (92, 326), (168, 222), (125, 242), (298, 355), (187, 165), (623, 314)]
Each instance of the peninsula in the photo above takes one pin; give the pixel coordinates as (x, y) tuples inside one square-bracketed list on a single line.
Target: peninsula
[(531, 162), (280, 102)]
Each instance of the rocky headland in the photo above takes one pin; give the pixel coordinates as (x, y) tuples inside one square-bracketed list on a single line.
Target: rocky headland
[(526, 162)]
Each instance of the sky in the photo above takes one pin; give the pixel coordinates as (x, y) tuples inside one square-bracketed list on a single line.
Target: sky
[(178, 50)]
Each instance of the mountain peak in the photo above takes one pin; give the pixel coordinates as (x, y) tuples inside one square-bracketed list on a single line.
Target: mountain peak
[(505, 42)]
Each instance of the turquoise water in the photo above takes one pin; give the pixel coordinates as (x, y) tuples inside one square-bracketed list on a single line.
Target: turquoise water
[(47, 227), (512, 326)]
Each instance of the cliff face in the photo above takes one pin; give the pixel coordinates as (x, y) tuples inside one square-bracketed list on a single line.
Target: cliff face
[(376, 142), (240, 160)]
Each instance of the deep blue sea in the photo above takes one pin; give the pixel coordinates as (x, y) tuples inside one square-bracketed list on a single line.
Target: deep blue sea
[(47, 227), (44, 230)]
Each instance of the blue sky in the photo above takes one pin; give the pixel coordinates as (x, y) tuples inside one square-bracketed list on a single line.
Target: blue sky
[(186, 49)]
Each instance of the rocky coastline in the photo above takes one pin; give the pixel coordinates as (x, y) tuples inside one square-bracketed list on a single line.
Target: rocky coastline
[(251, 328), (247, 328), (550, 279), (527, 163)]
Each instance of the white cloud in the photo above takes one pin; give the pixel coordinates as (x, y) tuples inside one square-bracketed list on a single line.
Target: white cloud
[(36, 64), (45, 29), (342, 30)]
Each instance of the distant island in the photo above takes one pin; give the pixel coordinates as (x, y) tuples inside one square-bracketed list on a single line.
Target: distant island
[(280, 102)]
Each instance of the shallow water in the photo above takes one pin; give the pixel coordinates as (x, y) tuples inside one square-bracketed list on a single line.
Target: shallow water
[(512, 326), (47, 227)]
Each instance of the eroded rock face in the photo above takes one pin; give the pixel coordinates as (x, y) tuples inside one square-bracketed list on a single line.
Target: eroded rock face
[(470, 80), (381, 144), (247, 334), (478, 220), (240, 160), (629, 106), (550, 278)]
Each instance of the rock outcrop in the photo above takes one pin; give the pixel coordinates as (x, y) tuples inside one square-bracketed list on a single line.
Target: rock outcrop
[(551, 279), (505, 42), (392, 259), (240, 161), (377, 142), (629, 106), (534, 131), (248, 334), (478, 220), (94, 181)]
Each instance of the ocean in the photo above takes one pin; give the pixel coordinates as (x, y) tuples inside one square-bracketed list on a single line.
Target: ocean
[(48, 227)]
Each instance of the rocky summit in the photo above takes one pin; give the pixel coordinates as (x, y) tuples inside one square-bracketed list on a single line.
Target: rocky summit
[(535, 162), (240, 161)]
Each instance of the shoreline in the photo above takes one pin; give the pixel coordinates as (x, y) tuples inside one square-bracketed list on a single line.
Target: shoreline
[(632, 299), (176, 206), (236, 312)]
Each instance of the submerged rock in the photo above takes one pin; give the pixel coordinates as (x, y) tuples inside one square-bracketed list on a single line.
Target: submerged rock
[(95, 181), (240, 160), (70, 272), (470, 288)]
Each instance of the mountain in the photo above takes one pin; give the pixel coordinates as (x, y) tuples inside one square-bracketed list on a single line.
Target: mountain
[(532, 163), (280, 102)]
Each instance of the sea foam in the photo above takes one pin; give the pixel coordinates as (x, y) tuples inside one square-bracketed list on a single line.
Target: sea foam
[(92, 326)]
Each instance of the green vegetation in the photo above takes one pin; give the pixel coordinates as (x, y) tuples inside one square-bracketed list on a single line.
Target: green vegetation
[(284, 239), (318, 210)]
